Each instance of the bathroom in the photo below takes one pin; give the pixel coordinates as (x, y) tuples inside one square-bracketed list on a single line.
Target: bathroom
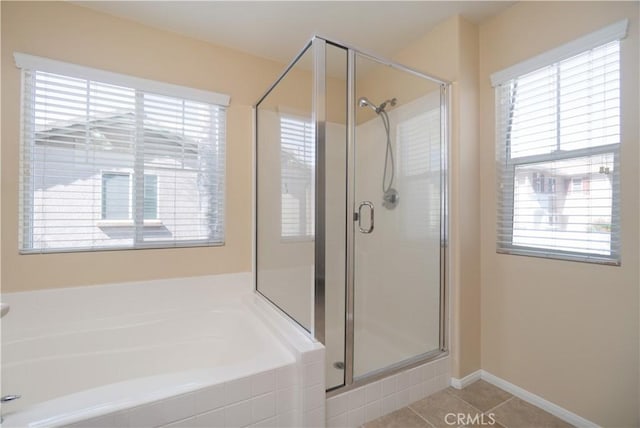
[(324, 343)]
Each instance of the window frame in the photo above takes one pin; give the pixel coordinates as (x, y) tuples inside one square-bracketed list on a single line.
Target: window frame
[(508, 165), (29, 66), (509, 173), (128, 222), (103, 197)]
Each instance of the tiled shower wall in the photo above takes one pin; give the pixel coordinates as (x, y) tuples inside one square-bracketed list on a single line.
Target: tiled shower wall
[(309, 390), (384, 396)]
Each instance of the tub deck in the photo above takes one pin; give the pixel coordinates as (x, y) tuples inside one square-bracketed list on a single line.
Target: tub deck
[(93, 352)]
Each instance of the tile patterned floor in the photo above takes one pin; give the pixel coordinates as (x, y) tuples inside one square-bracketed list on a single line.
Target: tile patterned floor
[(480, 405)]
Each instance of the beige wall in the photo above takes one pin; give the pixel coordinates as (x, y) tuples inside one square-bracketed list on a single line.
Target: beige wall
[(450, 51), (566, 331), (467, 204), (75, 34)]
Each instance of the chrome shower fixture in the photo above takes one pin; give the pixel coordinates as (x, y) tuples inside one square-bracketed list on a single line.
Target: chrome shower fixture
[(392, 102), (390, 196), (364, 102)]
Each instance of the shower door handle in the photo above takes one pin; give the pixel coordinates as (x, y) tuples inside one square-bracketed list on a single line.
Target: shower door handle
[(365, 204)]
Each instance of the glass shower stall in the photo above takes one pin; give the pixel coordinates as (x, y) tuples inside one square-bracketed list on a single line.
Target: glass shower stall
[(351, 208)]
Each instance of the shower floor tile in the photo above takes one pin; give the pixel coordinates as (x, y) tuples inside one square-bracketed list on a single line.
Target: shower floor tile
[(478, 400)]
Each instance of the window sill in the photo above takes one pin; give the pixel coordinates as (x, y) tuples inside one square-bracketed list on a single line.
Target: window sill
[(127, 223), (560, 255), (296, 239), (160, 245)]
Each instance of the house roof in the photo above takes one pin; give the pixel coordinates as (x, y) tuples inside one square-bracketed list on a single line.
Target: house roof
[(113, 133)]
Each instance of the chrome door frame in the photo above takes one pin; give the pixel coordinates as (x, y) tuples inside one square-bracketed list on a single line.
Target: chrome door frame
[(318, 45), (320, 120)]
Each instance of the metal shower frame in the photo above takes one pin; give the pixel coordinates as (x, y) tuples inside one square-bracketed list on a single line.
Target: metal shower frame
[(318, 45)]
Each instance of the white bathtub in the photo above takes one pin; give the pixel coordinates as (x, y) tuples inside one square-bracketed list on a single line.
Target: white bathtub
[(199, 351)]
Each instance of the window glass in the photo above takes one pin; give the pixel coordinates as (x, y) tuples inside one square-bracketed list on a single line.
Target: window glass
[(150, 197), (95, 152), (558, 147), (116, 193), (297, 163)]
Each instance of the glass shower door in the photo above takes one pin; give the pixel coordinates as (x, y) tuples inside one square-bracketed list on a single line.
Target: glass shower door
[(350, 208), (397, 191)]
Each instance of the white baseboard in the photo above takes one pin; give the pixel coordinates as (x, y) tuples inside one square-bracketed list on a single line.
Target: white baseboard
[(467, 380), (534, 399)]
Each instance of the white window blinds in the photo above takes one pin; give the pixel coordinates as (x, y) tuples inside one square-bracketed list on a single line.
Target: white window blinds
[(418, 152), (558, 130), (106, 166), (297, 164)]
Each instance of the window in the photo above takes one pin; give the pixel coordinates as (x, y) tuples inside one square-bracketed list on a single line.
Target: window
[(558, 148), (419, 168), (150, 197), (297, 164), (576, 184), (116, 196), (115, 162)]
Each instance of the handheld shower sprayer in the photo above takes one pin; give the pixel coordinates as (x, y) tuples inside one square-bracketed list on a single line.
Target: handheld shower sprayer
[(364, 102), (390, 195)]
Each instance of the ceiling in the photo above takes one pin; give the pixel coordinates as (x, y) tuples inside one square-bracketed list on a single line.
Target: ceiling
[(278, 30)]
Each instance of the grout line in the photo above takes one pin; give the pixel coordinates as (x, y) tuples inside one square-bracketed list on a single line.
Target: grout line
[(493, 408), (504, 402), (466, 402), (420, 416)]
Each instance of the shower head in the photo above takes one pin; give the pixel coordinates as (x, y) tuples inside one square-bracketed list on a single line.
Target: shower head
[(364, 102)]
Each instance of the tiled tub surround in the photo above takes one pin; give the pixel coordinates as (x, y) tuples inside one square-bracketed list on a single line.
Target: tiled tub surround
[(358, 406), (202, 351)]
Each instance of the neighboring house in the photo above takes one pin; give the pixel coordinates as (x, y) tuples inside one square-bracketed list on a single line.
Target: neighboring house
[(83, 186), (548, 199), (297, 168)]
